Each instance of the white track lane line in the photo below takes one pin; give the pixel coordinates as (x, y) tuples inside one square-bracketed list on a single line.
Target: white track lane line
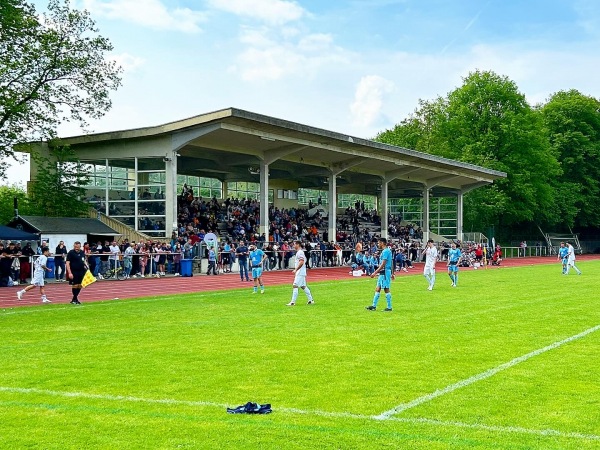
[(341, 415), (481, 376)]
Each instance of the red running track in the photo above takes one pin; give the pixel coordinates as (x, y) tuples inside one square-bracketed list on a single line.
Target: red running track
[(147, 287)]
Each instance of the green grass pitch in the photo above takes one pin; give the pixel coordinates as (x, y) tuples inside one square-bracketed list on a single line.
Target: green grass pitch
[(509, 359)]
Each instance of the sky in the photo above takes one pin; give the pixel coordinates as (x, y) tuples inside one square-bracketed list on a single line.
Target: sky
[(356, 67)]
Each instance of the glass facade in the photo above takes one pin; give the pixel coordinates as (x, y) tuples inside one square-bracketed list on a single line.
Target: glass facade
[(131, 190)]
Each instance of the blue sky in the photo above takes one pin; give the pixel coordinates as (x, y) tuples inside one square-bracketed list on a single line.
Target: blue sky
[(356, 66)]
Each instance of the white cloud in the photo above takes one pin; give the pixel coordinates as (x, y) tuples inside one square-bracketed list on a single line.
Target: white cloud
[(148, 13), (269, 56), (275, 12), (128, 62), (369, 98)]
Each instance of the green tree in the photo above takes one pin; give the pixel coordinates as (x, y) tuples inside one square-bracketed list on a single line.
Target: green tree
[(7, 196), (573, 123), (58, 188), (53, 68), (488, 122)]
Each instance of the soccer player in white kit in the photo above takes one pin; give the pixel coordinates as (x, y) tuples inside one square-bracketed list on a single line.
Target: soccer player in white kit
[(300, 276), (38, 276), (431, 255), (571, 259)]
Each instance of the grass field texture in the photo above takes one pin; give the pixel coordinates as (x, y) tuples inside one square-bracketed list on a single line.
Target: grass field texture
[(509, 359)]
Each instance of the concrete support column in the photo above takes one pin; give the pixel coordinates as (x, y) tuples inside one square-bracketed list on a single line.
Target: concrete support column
[(425, 225), (332, 208), (459, 216), (264, 199), (384, 209), (170, 194)]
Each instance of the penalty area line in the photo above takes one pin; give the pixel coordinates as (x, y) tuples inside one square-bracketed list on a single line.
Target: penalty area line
[(327, 414), (481, 376)]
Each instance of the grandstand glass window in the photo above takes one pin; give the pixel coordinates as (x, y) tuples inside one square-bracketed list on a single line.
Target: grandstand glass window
[(312, 195), (201, 186), (349, 200), (443, 214), (407, 209), (150, 196), (243, 189)]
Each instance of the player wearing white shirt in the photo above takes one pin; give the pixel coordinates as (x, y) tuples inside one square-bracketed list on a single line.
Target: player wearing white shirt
[(38, 276), (431, 255), (571, 259), (300, 276)]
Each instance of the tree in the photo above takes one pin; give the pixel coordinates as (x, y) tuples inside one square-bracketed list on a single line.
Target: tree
[(7, 196), (53, 68), (59, 187), (488, 122), (573, 123)]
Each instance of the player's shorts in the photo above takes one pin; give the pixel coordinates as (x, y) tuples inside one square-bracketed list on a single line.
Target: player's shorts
[(453, 267), (257, 272), (300, 280), (571, 261), (77, 278), (38, 279), (384, 280), (429, 270)]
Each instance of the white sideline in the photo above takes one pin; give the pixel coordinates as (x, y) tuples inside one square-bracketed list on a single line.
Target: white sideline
[(412, 421), (481, 376)]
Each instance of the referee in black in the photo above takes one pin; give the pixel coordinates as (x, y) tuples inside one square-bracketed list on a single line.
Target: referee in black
[(76, 268)]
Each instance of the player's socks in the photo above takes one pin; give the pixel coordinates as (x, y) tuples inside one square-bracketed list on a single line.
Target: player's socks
[(376, 299), (308, 293), (294, 295), (388, 299)]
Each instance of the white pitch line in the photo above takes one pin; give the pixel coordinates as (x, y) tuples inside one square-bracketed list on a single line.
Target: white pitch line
[(330, 414), (481, 376)]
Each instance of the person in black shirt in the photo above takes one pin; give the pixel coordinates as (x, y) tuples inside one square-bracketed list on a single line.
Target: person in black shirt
[(59, 261), (242, 256), (76, 268)]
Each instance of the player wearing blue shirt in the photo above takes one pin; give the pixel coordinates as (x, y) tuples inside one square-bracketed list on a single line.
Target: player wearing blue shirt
[(454, 255), (563, 255), (385, 274), (257, 256)]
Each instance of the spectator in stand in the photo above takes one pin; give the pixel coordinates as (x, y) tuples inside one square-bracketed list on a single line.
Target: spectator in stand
[(104, 254), (178, 255)]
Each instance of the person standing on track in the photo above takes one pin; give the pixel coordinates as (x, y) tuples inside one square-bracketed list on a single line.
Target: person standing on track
[(38, 276), (76, 268), (300, 276)]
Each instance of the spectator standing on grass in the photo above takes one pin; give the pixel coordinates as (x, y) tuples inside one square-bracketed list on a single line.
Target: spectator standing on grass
[(76, 268), (571, 259), (431, 255), (454, 255), (385, 275), (38, 276), (300, 276)]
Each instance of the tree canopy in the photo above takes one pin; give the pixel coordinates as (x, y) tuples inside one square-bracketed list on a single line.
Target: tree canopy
[(550, 153), (54, 68)]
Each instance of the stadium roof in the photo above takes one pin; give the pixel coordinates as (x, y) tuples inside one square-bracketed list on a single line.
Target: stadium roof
[(228, 144)]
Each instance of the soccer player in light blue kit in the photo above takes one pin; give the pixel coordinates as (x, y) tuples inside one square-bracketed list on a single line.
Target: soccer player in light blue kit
[(385, 273), (454, 255), (257, 256), (563, 255)]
